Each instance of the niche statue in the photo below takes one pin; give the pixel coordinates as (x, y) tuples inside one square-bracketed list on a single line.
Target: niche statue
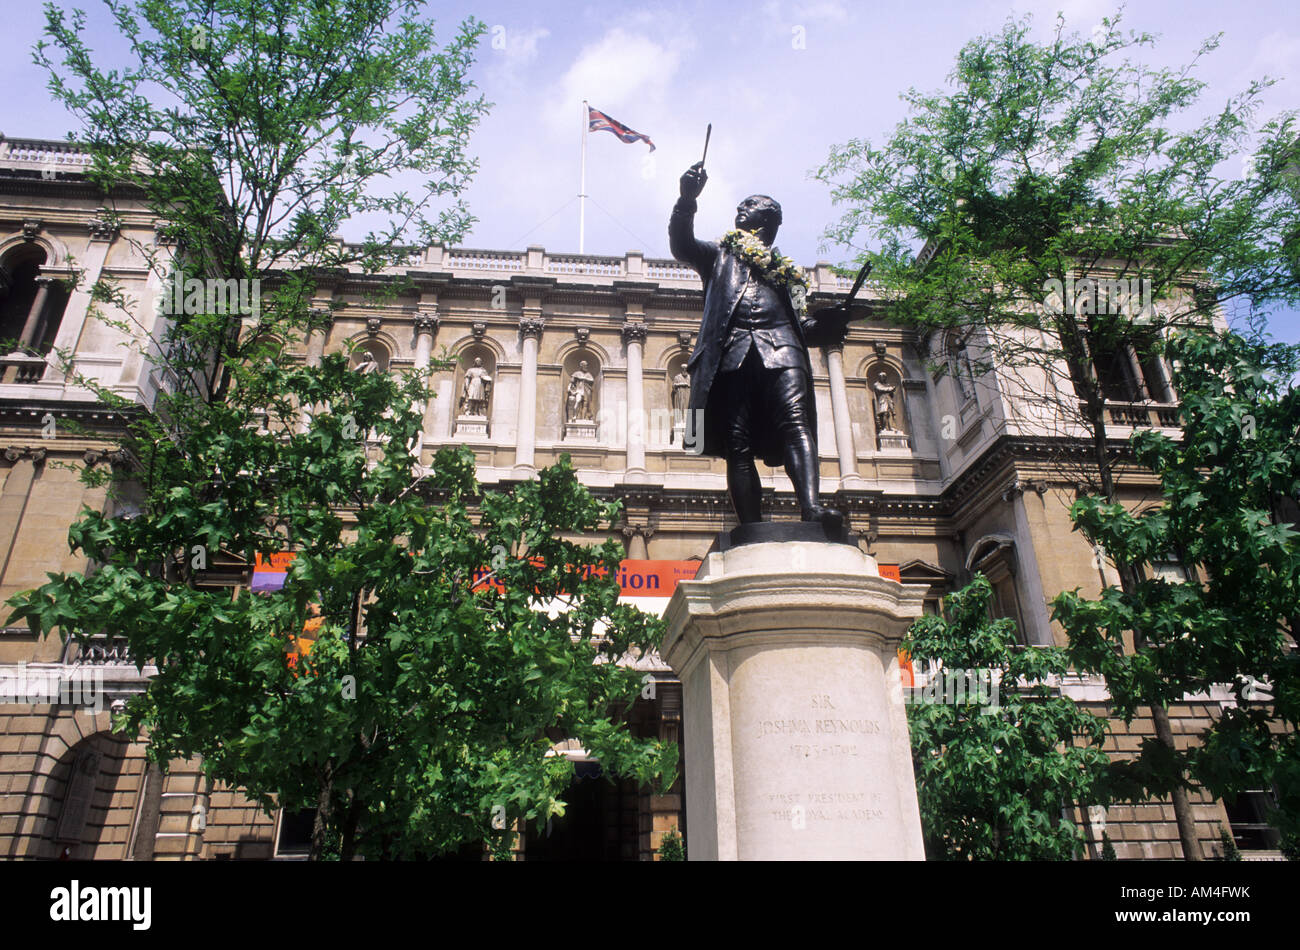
[(578, 402), (476, 391), (886, 413)]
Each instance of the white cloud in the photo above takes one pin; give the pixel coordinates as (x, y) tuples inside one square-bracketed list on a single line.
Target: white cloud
[(1278, 55), (832, 10), (508, 51), (1081, 16), (620, 69)]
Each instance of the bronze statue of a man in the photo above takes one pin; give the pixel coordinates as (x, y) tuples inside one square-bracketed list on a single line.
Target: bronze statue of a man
[(751, 379)]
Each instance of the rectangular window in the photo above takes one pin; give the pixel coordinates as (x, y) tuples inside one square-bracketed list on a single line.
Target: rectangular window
[(1248, 820), (293, 835)]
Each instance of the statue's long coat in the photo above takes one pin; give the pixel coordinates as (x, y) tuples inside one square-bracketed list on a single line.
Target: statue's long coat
[(724, 276)]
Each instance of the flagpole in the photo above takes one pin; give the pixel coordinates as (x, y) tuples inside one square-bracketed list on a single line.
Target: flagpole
[(582, 186)]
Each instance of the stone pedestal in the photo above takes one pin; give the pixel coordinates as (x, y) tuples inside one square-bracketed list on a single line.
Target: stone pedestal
[(893, 440), (794, 728), (475, 427), (580, 429)]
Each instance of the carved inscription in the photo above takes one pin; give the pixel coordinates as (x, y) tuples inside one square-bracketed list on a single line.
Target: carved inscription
[(830, 726), (810, 733), (797, 807)]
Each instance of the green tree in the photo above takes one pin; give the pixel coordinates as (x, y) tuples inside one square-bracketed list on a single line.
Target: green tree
[(1274, 174), (423, 714), (254, 130), (1227, 511), (1014, 214), (994, 770)]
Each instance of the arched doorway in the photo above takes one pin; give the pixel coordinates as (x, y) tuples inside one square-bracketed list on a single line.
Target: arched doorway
[(31, 303)]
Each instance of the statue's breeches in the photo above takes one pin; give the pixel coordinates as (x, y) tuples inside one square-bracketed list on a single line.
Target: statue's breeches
[(769, 407)]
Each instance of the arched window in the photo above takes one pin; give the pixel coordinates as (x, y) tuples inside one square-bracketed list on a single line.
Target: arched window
[(31, 304), (78, 795), (994, 556), (92, 808)]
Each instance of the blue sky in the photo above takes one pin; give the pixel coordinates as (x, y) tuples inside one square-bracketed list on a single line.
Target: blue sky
[(781, 81)]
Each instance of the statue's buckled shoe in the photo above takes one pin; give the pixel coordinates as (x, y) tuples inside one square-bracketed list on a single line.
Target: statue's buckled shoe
[(831, 518)]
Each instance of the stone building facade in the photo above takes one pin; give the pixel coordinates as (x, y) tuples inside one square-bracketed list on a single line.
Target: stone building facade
[(546, 354)]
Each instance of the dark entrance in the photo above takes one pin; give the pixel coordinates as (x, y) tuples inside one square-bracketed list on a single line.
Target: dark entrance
[(600, 822)]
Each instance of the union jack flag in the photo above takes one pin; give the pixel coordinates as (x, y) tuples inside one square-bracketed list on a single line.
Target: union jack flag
[(597, 121)]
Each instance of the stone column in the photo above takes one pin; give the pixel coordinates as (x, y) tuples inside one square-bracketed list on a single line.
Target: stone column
[(426, 326), (794, 725), (1135, 367), (634, 335), (1166, 379), (531, 330), (35, 316), (13, 506), (102, 232), (322, 319), (637, 542), (844, 446)]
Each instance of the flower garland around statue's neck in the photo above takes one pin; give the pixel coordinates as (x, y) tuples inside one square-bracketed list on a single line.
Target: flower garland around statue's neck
[(771, 266)]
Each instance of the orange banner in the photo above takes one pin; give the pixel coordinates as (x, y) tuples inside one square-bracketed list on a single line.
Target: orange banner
[(279, 561), (905, 670), (654, 578)]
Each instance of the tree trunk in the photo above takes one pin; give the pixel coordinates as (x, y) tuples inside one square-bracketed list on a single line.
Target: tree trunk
[(322, 810), (1182, 808), (348, 849)]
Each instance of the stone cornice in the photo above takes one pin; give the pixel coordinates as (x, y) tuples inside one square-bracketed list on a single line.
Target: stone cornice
[(1045, 455), (28, 413)]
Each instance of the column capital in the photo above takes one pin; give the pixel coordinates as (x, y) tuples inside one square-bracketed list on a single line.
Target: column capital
[(834, 348), (322, 318), (165, 233), (634, 332), (531, 327), (103, 226), (14, 453), (45, 281), (426, 321)]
